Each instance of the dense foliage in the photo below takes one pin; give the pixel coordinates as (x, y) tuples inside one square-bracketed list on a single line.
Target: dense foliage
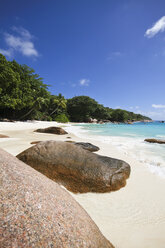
[(23, 95), (82, 108)]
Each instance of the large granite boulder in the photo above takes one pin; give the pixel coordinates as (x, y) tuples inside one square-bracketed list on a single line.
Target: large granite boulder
[(87, 146), (78, 170), (155, 141), (37, 212), (53, 130)]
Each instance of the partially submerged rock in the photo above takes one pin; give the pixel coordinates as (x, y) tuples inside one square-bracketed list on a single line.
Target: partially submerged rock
[(78, 170), (4, 136), (53, 130), (37, 212), (155, 141)]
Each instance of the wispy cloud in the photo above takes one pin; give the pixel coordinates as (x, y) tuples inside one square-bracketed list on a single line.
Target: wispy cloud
[(23, 32), (158, 106), (7, 52), (84, 82), (159, 26), (155, 115), (20, 41), (134, 107), (114, 55), (73, 85)]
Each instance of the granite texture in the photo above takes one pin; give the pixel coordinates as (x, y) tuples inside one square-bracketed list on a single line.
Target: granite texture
[(36, 212)]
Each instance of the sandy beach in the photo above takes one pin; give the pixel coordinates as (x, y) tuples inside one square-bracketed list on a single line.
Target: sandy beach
[(134, 216)]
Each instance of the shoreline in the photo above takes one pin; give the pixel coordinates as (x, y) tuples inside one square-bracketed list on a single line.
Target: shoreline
[(148, 155), (132, 217)]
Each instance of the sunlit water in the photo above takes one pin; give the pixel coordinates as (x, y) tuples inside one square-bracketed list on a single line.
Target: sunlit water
[(130, 139)]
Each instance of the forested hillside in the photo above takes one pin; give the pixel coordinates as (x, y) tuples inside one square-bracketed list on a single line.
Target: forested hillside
[(24, 96)]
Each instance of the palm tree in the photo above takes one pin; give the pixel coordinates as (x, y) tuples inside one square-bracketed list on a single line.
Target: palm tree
[(60, 102), (37, 104)]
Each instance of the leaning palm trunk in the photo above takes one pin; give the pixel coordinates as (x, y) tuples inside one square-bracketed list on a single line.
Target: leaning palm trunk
[(54, 111), (22, 117)]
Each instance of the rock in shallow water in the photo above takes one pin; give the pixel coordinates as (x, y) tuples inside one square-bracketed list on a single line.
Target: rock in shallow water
[(155, 141), (37, 212), (53, 130), (78, 170)]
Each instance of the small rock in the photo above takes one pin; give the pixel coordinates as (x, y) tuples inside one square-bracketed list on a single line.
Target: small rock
[(4, 136), (35, 142)]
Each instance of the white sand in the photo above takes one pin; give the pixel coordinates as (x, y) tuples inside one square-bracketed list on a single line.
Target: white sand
[(133, 217)]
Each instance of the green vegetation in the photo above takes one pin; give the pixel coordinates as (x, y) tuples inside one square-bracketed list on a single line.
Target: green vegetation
[(82, 108), (24, 96), (62, 118)]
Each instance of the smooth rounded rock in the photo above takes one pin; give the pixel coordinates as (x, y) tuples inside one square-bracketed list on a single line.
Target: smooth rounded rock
[(53, 130), (78, 170), (37, 212)]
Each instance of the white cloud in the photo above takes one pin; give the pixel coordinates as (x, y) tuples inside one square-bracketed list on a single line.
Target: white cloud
[(84, 82), (7, 52), (22, 42), (114, 55), (23, 32), (132, 107), (117, 54), (159, 26), (73, 85), (155, 115), (158, 106)]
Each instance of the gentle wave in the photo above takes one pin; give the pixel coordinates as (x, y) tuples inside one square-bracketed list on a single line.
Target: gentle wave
[(150, 155)]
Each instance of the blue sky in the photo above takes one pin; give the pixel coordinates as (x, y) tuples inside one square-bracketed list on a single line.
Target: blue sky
[(110, 50)]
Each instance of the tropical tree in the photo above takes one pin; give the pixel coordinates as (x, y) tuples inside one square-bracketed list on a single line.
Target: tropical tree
[(81, 108), (58, 103), (21, 89), (37, 105)]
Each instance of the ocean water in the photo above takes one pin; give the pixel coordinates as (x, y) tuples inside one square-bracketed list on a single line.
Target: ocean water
[(130, 140)]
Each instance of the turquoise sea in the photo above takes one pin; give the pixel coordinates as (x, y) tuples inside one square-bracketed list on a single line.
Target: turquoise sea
[(130, 140)]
